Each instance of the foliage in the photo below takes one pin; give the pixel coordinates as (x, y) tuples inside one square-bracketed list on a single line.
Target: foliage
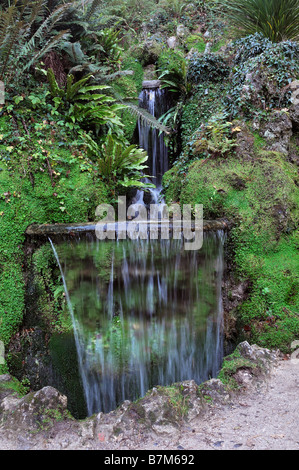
[(250, 46), (170, 59), (215, 139), (175, 80), (96, 52), (261, 80), (207, 68), (44, 178), (119, 164), (26, 35), (277, 20), (175, 7), (80, 104)]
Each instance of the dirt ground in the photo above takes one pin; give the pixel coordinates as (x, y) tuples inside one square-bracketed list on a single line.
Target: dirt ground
[(264, 418)]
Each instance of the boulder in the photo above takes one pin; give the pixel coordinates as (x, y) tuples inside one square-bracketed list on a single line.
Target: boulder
[(294, 108), (181, 31), (172, 42), (215, 390), (34, 411), (259, 356), (278, 131)]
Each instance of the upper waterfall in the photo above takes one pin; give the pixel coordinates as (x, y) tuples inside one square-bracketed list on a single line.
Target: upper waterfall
[(153, 100)]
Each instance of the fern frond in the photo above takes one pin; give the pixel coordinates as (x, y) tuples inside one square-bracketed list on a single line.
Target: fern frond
[(95, 4)]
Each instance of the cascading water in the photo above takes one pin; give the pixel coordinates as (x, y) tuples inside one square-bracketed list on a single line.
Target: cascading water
[(155, 102), (144, 312)]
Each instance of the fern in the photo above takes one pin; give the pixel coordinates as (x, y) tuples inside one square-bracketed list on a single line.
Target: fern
[(26, 35)]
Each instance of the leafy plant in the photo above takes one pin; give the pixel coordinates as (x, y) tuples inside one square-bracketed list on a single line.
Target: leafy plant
[(250, 46), (277, 20), (262, 81), (207, 68), (175, 80), (176, 7), (215, 139), (26, 35), (118, 163), (80, 103)]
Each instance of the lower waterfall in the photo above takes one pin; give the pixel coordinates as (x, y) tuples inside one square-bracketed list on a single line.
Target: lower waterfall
[(144, 313)]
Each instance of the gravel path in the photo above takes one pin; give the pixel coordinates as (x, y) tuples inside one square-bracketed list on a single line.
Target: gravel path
[(266, 419)]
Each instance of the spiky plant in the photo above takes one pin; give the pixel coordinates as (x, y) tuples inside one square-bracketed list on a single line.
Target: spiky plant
[(119, 163), (278, 20), (27, 34), (122, 165)]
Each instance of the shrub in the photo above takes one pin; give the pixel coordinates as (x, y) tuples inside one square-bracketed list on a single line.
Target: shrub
[(260, 81), (250, 46), (207, 68), (277, 20)]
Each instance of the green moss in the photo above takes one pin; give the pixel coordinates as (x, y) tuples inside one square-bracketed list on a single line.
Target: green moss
[(129, 88), (259, 142), (230, 366), (261, 196), (196, 41), (19, 388), (30, 194)]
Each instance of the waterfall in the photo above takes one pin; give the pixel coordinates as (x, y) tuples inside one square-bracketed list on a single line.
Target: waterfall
[(155, 102), (76, 329), (146, 313)]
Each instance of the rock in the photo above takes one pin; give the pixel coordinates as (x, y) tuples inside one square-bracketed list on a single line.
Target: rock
[(216, 390), (150, 72), (190, 53), (208, 48), (151, 84), (244, 141), (294, 86), (295, 356), (35, 411), (261, 356), (243, 377), (87, 429), (181, 31), (207, 34), (278, 131), (172, 42), (294, 109)]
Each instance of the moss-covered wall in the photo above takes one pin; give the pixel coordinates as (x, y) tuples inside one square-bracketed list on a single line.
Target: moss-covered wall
[(260, 194), (29, 193)]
